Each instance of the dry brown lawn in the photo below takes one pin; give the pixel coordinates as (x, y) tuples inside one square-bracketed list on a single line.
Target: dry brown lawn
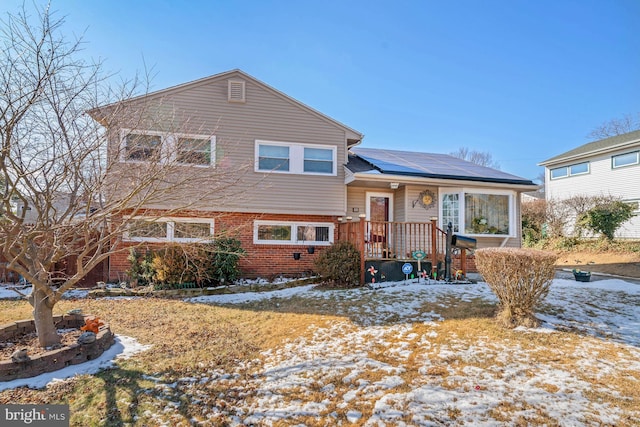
[(212, 365)]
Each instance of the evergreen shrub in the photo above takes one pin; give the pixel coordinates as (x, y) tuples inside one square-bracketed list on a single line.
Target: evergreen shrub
[(339, 265)]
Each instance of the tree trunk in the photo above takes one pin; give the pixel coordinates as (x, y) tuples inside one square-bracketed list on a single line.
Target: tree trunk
[(43, 316)]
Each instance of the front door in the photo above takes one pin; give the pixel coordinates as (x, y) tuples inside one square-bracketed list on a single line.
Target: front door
[(379, 214)]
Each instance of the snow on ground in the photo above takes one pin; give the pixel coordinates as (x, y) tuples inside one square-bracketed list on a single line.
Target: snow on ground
[(338, 363), (383, 365), (7, 292), (123, 348)]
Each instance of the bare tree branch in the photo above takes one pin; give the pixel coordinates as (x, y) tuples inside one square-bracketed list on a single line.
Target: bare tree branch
[(628, 123), (481, 158)]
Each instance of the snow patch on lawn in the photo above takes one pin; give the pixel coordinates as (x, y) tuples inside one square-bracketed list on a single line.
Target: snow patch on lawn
[(342, 363), (123, 348)]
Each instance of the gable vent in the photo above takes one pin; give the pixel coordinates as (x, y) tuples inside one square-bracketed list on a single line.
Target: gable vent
[(236, 91)]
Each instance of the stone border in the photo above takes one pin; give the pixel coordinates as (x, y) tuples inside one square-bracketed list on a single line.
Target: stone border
[(55, 359)]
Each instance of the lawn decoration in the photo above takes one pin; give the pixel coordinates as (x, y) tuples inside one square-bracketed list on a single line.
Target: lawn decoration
[(372, 271), (92, 324)]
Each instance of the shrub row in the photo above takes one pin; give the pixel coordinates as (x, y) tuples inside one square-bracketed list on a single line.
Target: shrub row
[(186, 265)]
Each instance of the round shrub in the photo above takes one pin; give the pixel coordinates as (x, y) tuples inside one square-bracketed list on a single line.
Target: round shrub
[(520, 278), (339, 265)]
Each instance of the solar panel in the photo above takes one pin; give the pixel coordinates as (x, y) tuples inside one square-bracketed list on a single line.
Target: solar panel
[(432, 165)]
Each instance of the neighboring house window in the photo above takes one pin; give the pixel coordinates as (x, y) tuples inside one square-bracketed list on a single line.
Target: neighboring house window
[(275, 232), (142, 147), (183, 230), (286, 157), (565, 171), (477, 213), (145, 146), (626, 159), (636, 205)]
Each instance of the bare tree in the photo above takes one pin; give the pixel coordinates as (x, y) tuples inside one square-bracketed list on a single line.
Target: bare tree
[(614, 127), (65, 196), (481, 158)]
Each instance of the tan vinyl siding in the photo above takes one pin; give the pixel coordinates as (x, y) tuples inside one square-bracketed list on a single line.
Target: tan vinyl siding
[(264, 115), (400, 205), (417, 213), (356, 198)]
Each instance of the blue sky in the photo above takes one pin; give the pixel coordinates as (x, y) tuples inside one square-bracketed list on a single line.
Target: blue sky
[(523, 80)]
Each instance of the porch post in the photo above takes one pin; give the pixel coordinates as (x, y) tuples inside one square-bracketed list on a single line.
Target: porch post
[(434, 246), (360, 239)]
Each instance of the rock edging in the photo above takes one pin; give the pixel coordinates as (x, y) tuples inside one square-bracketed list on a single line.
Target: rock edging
[(53, 360)]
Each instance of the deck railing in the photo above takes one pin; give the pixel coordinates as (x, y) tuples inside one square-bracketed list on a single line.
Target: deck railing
[(388, 240)]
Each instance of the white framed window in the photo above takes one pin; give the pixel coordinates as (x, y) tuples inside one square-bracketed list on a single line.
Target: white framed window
[(194, 151), (295, 158), (571, 170), (182, 230), (636, 205), (478, 212), (627, 159), (451, 211), (142, 146), (293, 233), (152, 146)]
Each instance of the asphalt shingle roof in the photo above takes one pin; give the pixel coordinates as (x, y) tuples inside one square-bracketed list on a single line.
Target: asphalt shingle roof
[(595, 146), (426, 165)]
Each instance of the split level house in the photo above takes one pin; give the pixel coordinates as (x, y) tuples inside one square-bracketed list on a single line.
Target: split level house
[(607, 167), (297, 181)]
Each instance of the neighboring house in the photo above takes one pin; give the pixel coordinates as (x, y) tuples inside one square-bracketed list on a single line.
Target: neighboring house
[(307, 179), (609, 166)]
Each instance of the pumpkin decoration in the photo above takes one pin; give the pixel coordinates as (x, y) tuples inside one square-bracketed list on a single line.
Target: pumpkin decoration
[(92, 324)]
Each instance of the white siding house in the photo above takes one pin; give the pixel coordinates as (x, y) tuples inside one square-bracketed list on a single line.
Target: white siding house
[(609, 166)]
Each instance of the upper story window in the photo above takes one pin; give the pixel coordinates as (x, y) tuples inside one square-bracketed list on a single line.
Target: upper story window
[(148, 146), (273, 157), (142, 147), (571, 170), (318, 160), (287, 157), (290, 233), (478, 213), (182, 230), (194, 151), (626, 159)]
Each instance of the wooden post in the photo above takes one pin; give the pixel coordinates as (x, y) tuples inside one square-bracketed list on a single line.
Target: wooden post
[(434, 245), (463, 262), (360, 239)]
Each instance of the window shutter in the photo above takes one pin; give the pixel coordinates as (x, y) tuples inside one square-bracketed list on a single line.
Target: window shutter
[(236, 91)]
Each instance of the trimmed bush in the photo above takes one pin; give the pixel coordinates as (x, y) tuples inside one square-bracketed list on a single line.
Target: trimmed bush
[(520, 278), (339, 265)]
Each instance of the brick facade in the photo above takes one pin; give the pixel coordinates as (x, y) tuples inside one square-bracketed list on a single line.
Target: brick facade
[(261, 260)]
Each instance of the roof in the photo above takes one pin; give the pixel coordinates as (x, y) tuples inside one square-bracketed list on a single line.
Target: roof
[(426, 165), (355, 138), (595, 147)]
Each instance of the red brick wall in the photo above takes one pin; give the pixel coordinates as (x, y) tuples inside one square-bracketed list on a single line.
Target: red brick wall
[(266, 261)]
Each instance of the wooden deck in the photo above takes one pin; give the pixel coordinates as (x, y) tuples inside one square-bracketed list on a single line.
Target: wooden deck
[(397, 241)]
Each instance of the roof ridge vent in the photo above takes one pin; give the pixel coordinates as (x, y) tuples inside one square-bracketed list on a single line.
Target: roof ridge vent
[(236, 91)]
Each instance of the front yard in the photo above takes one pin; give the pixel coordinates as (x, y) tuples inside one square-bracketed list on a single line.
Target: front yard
[(403, 355)]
